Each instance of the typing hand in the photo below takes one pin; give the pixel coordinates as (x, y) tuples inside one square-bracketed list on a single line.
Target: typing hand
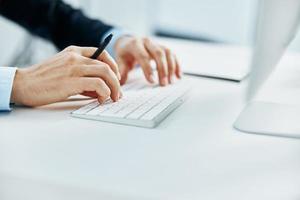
[(132, 50), (68, 73)]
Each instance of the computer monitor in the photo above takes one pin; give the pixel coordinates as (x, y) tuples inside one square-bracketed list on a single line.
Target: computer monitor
[(277, 25)]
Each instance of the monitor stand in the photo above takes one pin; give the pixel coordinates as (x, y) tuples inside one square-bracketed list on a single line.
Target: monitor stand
[(270, 119)]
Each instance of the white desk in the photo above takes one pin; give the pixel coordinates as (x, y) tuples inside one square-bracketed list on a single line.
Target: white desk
[(194, 154)]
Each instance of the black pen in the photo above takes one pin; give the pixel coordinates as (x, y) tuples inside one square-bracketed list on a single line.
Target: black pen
[(102, 46)]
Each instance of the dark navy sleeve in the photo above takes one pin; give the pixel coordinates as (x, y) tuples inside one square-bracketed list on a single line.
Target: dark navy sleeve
[(56, 21)]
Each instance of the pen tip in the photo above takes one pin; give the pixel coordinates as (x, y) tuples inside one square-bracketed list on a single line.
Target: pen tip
[(110, 36)]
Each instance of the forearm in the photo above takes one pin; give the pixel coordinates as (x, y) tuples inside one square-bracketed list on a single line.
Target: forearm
[(55, 21)]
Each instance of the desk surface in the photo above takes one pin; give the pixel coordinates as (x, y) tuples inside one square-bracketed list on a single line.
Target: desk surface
[(193, 154)]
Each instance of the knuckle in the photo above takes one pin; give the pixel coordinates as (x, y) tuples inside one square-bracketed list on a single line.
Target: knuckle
[(71, 48), (105, 53), (159, 52), (146, 40), (143, 56), (71, 57), (105, 91), (172, 70), (135, 41), (105, 68), (93, 62), (98, 82), (171, 66), (100, 86), (167, 50)]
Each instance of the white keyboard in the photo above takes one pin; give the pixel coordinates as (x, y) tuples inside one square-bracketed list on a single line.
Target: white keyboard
[(141, 105)]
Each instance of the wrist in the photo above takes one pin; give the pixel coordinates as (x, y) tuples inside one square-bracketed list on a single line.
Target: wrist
[(122, 45), (120, 42), (18, 87)]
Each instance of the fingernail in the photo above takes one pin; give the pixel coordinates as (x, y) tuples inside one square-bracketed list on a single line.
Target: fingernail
[(119, 76), (164, 81), (101, 101), (151, 78), (171, 80)]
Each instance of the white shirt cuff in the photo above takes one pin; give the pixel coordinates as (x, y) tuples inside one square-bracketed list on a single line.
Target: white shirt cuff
[(117, 33), (7, 75)]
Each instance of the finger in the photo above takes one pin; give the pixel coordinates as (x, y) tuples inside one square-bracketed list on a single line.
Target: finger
[(124, 70), (104, 72), (178, 71), (90, 94), (84, 51), (105, 57), (143, 58), (89, 51), (159, 56), (171, 65), (77, 59), (88, 84)]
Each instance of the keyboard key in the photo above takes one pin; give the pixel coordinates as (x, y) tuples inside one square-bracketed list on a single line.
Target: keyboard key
[(86, 108), (97, 110), (141, 105), (159, 108)]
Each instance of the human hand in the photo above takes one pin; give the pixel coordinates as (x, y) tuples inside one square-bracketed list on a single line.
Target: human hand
[(132, 50), (68, 73)]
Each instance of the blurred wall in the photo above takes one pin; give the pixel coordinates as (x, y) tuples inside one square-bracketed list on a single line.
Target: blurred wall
[(137, 16), (11, 37), (226, 20)]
